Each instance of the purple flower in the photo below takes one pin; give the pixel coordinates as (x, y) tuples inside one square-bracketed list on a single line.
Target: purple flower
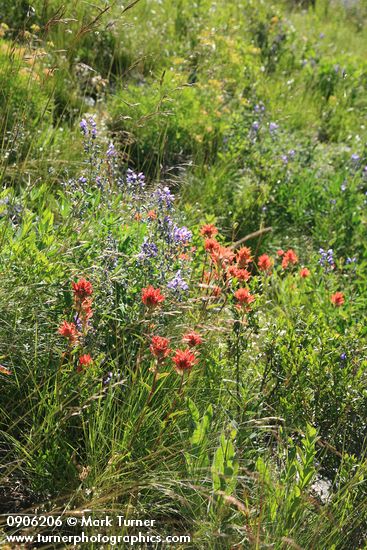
[(273, 127), (177, 283), (134, 180), (111, 151), (108, 378), (255, 126), (355, 158), (148, 250), (326, 258), (78, 322), (181, 234), (93, 126), (84, 127), (284, 159), (259, 107), (164, 197), (351, 260), (82, 179), (343, 356)]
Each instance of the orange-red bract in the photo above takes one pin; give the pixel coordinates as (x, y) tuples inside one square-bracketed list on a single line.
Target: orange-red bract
[(184, 360), (151, 296), (337, 299), (208, 230), (244, 297), (192, 339), (82, 289), (159, 347)]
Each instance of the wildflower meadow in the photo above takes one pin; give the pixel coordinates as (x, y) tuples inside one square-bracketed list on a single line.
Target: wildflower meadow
[(183, 271)]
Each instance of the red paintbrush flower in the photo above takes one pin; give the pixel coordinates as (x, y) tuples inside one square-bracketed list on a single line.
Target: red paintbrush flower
[(244, 256), (244, 297), (222, 256), (337, 299), (184, 360), (152, 215), (82, 289), (264, 262), (68, 330), (289, 257), (240, 274), (304, 273), (86, 309), (280, 253), (159, 347), (243, 274), (208, 230), (151, 296), (192, 339), (84, 361), (4, 370), (232, 270), (211, 244)]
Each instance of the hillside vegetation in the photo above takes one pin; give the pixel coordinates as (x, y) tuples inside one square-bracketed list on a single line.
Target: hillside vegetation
[(183, 269)]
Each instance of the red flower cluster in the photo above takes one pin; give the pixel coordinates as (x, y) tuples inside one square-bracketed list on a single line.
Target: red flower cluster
[(86, 311), (222, 256), (244, 257), (337, 299), (4, 370), (208, 230), (192, 339), (159, 347), (82, 289), (211, 245), (304, 273), (151, 297), (84, 361), (244, 297), (83, 301), (152, 215), (240, 274), (184, 360), (264, 262), (69, 330), (289, 257)]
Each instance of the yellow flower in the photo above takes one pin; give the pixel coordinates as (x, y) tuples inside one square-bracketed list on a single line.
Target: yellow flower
[(178, 60)]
